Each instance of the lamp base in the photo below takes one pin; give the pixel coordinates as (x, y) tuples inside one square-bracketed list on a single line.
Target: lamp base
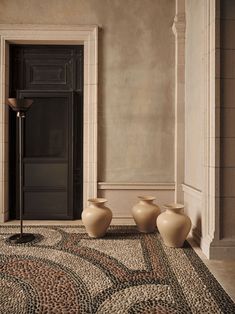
[(19, 238)]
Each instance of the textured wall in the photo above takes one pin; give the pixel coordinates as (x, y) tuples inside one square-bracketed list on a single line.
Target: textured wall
[(136, 79), (227, 141), (194, 112), (194, 93)]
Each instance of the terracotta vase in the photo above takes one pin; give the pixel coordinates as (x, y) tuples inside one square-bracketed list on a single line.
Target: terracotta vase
[(97, 217), (145, 214), (173, 225)]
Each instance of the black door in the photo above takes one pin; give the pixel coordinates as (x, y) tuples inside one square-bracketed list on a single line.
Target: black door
[(53, 77)]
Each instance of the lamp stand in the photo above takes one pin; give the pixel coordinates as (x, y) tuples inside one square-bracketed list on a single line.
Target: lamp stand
[(21, 237)]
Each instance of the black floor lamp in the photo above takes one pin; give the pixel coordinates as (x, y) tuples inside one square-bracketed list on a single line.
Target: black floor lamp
[(20, 106)]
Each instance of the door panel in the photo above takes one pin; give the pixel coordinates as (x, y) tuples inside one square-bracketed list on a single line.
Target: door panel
[(51, 205), (53, 131), (49, 73), (49, 118), (48, 133), (45, 174), (47, 67)]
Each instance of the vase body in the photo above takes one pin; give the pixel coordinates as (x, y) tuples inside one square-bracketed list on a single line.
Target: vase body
[(96, 218), (145, 214), (173, 225)]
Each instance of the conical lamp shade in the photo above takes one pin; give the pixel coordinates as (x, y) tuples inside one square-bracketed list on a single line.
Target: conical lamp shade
[(21, 105)]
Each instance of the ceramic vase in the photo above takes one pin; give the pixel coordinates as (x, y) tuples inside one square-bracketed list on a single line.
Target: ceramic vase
[(173, 225), (145, 214), (97, 217)]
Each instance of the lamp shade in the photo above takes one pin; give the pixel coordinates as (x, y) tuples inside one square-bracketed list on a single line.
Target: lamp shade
[(21, 105)]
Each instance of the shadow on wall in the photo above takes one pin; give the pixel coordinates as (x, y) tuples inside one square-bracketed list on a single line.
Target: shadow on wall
[(101, 130), (196, 230)]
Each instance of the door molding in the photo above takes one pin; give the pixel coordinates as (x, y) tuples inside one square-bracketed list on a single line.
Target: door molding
[(86, 35)]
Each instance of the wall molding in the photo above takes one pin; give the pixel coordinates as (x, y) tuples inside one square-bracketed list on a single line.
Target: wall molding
[(121, 196), (86, 35), (210, 212), (135, 186), (209, 143), (192, 191)]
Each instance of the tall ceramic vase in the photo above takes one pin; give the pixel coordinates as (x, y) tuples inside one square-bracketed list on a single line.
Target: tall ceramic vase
[(145, 214), (173, 225), (97, 217)]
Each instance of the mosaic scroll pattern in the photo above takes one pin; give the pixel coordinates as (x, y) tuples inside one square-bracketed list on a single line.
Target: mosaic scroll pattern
[(64, 271)]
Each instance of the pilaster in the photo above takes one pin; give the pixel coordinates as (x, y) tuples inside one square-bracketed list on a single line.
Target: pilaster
[(178, 28)]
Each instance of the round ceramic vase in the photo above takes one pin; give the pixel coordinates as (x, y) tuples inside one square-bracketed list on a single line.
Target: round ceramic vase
[(173, 225), (145, 214), (97, 217)]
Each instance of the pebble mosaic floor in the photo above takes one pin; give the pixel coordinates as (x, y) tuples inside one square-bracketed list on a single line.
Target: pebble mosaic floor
[(64, 271)]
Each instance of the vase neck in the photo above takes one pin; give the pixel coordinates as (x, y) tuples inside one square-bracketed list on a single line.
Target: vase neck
[(146, 201), (97, 202), (174, 210)]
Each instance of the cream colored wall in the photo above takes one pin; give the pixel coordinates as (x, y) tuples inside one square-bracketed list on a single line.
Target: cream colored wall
[(194, 111), (194, 94), (209, 125), (136, 79)]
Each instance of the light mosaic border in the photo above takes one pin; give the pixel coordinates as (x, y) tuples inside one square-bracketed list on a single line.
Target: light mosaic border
[(52, 34)]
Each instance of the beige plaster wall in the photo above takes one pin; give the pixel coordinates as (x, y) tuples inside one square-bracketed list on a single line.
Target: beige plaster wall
[(136, 79), (194, 113), (194, 93)]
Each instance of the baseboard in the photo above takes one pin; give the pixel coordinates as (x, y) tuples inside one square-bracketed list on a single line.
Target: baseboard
[(219, 250), (124, 218), (205, 246), (224, 253), (4, 216), (222, 249)]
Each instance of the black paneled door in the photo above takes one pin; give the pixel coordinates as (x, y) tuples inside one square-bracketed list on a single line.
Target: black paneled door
[(53, 147)]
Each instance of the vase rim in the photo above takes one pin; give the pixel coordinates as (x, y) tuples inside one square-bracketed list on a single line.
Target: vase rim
[(173, 206), (146, 197), (97, 200)]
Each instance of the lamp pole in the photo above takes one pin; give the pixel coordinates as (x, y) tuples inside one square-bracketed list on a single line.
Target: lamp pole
[(20, 115), (21, 106)]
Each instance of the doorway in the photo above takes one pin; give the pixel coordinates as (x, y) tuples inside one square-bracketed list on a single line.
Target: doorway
[(53, 154)]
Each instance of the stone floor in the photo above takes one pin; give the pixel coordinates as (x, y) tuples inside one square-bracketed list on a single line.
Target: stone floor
[(224, 271)]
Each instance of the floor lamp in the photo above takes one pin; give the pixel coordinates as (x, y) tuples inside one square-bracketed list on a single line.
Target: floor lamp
[(20, 106)]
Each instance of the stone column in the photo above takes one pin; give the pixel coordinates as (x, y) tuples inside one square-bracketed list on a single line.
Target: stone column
[(179, 32)]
